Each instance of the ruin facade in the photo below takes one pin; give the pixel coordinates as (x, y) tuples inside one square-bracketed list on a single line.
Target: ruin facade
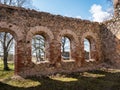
[(23, 24)]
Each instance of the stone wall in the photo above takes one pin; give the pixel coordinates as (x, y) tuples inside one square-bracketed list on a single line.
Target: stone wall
[(24, 24), (110, 33), (110, 37)]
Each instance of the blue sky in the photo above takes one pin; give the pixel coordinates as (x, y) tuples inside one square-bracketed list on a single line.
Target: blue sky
[(94, 10), (72, 8)]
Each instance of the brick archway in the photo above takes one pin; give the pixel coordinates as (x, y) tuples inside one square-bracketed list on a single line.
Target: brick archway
[(15, 32), (39, 30), (74, 41), (13, 29), (94, 44), (70, 34)]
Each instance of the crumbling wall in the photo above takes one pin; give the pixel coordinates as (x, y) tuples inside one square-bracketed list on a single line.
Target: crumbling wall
[(24, 24), (110, 38), (111, 41)]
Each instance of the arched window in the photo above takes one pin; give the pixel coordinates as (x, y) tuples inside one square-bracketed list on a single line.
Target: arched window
[(90, 49), (38, 48), (87, 49), (65, 48), (7, 51)]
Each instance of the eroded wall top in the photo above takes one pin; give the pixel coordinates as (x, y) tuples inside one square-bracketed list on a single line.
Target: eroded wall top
[(21, 16), (117, 8)]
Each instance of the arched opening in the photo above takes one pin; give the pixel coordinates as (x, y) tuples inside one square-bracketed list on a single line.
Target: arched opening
[(7, 51), (38, 48), (65, 48), (89, 49), (73, 45)]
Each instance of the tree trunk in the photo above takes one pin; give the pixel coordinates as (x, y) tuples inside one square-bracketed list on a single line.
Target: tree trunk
[(10, 2), (5, 61), (5, 53), (63, 45)]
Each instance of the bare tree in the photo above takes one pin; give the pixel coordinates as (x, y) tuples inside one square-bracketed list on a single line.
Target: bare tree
[(38, 47), (18, 3), (6, 40), (65, 48), (64, 41)]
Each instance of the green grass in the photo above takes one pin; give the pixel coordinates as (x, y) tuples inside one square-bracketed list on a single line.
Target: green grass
[(90, 80), (4, 74)]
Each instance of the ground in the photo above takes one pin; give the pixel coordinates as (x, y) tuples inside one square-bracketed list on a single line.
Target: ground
[(90, 80)]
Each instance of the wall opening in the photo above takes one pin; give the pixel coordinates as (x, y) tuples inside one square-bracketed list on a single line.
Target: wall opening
[(65, 48), (87, 49), (7, 51), (38, 48)]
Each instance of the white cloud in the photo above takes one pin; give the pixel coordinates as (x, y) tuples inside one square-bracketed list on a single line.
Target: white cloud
[(67, 15), (98, 14), (79, 17)]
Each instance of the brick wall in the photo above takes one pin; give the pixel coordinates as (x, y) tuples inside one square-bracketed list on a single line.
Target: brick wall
[(24, 24)]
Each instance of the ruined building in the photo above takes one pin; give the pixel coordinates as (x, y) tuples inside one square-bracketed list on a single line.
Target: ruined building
[(24, 24)]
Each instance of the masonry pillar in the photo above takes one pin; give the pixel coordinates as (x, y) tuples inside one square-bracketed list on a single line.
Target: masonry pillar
[(55, 52), (28, 52), (19, 57), (75, 53), (82, 56)]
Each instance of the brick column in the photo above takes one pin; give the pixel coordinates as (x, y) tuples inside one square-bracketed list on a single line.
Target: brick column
[(55, 52), (82, 54), (75, 53), (28, 52), (19, 57)]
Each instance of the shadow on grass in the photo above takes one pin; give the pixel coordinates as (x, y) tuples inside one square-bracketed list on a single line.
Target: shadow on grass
[(91, 80)]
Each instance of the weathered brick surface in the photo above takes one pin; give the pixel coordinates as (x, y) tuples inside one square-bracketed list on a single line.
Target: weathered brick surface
[(110, 37), (24, 24), (111, 41)]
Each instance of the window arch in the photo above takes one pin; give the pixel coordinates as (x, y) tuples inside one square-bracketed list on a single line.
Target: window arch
[(89, 49), (65, 48), (48, 36), (15, 31), (7, 50), (38, 48), (74, 43)]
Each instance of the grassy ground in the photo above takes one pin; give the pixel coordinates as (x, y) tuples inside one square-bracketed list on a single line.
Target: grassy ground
[(91, 80)]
